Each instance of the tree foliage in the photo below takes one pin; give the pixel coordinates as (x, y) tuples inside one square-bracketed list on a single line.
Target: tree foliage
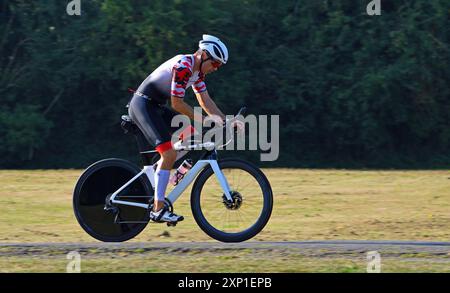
[(351, 90)]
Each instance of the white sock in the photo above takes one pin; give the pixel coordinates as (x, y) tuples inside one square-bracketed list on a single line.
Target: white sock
[(161, 180)]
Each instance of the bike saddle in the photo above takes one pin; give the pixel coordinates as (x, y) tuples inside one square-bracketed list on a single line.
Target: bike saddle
[(127, 118)]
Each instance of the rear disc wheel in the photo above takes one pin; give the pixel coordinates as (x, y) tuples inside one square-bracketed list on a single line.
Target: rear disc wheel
[(111, 223)]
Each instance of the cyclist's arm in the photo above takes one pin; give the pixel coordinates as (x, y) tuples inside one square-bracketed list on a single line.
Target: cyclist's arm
[(180, 78), (179, 105), (208, 104)]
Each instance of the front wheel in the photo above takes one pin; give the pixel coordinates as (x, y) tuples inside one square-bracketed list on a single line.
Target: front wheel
[(234, 221)]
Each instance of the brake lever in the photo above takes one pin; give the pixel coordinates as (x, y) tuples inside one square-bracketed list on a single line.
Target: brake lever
[(242, 111)]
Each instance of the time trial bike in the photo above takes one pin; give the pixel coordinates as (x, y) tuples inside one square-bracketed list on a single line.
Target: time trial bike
[(231, 199)]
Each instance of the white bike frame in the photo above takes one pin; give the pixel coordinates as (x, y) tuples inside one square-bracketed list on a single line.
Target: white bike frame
[(182, 185), (188, 177)]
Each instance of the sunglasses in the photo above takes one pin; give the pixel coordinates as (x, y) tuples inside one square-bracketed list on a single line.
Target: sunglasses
[(214, 63)]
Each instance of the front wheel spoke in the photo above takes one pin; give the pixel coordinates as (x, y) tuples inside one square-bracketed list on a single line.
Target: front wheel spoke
[(224, 226), (241, 218), (239, 181), (241, 214), (213, 211), (243, 188), (244, 179), (221, 213)]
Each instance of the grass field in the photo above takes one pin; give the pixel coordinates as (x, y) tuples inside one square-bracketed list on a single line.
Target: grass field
[(36, 206), (242, 260)]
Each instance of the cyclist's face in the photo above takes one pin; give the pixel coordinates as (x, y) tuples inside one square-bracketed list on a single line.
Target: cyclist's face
[(209, 64)]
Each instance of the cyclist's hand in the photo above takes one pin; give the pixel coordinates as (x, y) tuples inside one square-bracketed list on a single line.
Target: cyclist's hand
[(214, 118), (238, 125)]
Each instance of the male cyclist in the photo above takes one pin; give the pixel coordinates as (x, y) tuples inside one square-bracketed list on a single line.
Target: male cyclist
[(169, 82)]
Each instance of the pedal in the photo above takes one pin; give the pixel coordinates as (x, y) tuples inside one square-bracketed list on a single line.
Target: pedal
[(171, 224)]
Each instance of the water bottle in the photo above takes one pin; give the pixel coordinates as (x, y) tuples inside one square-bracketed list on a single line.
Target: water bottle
[(181, 171)]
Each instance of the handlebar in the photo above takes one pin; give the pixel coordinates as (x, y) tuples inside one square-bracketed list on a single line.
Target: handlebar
[(178, 145)]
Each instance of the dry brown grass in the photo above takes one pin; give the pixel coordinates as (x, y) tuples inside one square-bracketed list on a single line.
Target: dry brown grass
[(36, 206)]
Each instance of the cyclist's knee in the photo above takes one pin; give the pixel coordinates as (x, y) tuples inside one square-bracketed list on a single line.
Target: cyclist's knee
[(167, 161), (164, 147), (169, 155)]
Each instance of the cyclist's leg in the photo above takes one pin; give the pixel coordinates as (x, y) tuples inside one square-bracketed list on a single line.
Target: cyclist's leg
[(168, 154), (168, 157), (168, 114), (147, 117)]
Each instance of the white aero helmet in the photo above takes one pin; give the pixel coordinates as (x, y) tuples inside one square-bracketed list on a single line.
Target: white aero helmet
[(215, 48)]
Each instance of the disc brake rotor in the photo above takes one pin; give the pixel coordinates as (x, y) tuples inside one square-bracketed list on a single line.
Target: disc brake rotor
[(236, 201)]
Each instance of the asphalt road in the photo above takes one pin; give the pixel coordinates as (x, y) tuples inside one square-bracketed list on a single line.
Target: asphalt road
[(306, 247)]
